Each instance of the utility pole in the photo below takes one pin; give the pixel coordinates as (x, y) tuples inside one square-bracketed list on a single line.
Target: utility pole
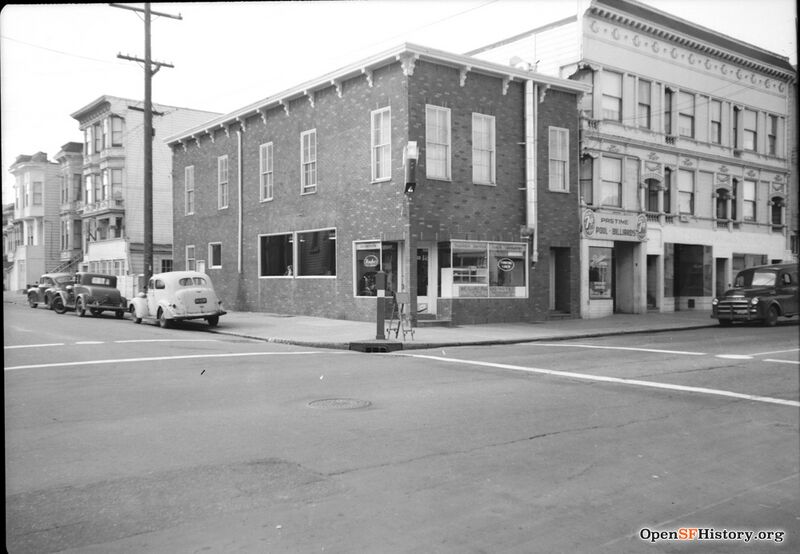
[(148, 129)]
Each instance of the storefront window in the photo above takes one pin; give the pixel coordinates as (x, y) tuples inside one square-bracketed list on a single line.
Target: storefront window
[(317, 253), (275, 253), (370, 258), (600, 272), (473, 269)]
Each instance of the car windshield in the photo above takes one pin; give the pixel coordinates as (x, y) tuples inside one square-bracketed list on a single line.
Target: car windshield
[(755, 279), (63, 280), (191, 281)]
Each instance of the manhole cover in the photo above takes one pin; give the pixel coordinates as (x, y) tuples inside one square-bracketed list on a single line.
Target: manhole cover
[(340, 403)]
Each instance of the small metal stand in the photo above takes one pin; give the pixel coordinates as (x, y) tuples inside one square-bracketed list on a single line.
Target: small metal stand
[(400, 320)]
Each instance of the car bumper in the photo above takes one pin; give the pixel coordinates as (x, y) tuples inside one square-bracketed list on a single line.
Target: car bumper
[(187, 317)]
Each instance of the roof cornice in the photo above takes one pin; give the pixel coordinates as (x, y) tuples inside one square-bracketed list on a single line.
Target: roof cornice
[(759, 59), (407, 54)]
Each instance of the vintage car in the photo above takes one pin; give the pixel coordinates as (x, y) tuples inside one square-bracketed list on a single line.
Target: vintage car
[(93, 292), (46, 289), (177, 296), (762, 293)]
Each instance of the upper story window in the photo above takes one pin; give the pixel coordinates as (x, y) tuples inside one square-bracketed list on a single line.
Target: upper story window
[(669, 97), (749, 200), (611, 187), (644, 103), (715, 109), (188, 186), (667, 194), (749, 133), (686, 114), (685, 192), (437, 142), (190, 258), (777, 211), (483, 149), (265, 168), (308, 162), (612, 95), (772, 135), (77, 186), (559, 159), (116, 131), (381, 144), (215, 254), (37, 193), (98, 137), (587, 180), (222, 182)]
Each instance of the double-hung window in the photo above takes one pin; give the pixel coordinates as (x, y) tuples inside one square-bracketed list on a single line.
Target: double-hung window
[(644, 103), (716, 121), (215, 254), (685, 192), (749, 133), (116, 131), (308, 162), (749, 200), (483, 149), (265, 168), (772, 135), (612, 95), (190, 258), (437, 142), (98, 137), (669, 98), (559, 159), (611, 189), (381, 127), (188, 185), (222, 182), (686, 114)]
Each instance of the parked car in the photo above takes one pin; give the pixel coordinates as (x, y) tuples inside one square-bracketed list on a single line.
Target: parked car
[(762, 293), (46, 289), (92, 292), (177, 296)]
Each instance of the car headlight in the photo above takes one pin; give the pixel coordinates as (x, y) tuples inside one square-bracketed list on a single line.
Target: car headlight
[(754, 300), (715, 301)]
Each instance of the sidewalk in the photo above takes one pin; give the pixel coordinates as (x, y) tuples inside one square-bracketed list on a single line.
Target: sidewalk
[(342, 334)]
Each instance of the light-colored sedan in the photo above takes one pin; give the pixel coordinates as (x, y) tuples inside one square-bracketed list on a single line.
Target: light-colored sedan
[(177, 296)]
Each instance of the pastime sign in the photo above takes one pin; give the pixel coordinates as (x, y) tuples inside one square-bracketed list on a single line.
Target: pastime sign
[(614, 226)]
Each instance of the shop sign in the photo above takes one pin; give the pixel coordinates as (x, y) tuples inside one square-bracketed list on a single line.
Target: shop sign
[(505, 264), (614, 226), (371, 260)]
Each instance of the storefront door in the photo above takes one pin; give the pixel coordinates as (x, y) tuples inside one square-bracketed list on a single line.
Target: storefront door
[(427, 283)]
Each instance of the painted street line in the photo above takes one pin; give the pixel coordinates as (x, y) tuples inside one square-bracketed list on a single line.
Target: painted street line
[(33, 345), (734, 357), (161, 359), (683, 352), (616, 380), (164, 340), (795, 362), (776, 352)]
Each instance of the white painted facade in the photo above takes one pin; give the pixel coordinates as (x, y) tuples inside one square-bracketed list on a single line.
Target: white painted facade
[(112, 208), (685, 128)]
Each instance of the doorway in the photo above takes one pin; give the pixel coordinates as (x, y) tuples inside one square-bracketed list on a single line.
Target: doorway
[(559, 280), (427, 282)]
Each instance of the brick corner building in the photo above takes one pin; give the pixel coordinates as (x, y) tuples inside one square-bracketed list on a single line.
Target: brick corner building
[(293, 203)]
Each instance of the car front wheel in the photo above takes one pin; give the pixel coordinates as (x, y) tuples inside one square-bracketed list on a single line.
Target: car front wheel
[(163, 322), (58, 305), (135, 319), (80, 308), (32, 301), (772, 317)]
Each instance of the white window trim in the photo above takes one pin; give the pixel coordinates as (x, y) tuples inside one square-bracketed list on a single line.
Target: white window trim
[(492, 149), (187, 257), (304, 187), (220, 182), (189, 169), (293, 236), (296, 253), (449, 145), (375, 147), (211, 258), (263, 173), (550, 157)]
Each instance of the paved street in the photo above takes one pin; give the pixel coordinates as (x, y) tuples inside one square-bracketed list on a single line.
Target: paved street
[(131, 438)]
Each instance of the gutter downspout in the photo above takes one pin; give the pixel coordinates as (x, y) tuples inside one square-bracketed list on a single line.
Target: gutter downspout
[(241, 171), (531, 199)]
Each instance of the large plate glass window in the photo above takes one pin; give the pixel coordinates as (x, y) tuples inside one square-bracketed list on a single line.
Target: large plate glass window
[(600, 272), (371, 257), (275, 255), (316, 252), (478, 269)]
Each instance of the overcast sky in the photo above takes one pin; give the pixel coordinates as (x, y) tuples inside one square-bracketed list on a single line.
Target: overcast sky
[(55, 59)]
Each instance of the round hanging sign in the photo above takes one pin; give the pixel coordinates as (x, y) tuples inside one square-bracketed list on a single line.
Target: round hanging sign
[(505, 264), (371, 261)]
